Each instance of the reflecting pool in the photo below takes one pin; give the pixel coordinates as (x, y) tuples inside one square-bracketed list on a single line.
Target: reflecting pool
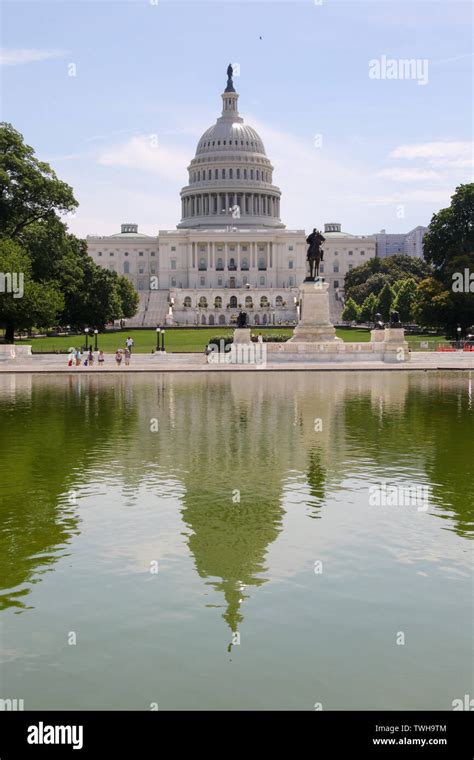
[(237, 541)]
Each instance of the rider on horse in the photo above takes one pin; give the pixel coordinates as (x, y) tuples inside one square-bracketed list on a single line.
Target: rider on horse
[(315, 254)]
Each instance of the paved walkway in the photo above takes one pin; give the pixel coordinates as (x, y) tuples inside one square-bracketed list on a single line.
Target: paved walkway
[(57, 364)]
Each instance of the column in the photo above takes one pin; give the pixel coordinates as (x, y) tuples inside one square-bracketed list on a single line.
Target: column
[(211, 255)]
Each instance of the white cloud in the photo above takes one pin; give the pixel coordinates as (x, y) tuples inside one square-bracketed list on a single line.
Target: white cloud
[(20, 56), (441, 153), (141, 153), (408, 175)]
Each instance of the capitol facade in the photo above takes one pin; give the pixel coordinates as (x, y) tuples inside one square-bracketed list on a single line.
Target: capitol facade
[(231, 250)]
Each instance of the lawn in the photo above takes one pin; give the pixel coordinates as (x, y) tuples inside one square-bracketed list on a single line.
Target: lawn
[(188, 340)]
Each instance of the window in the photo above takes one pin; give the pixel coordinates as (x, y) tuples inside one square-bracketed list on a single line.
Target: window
[(232, 264), (187, 302), (126, 268), (153, 269), (219, 282), (173, 247), (100, 253), (223, 173), (351, 266), (231, 174), (141, 285), (362, 253), (233, 302), (291, 264), (251, 173), (261, 263), (262, 281), (216, 172), (244, 247), (244, 280), (202, 302), (336, 284), (245, 173), (202, 282), (173, 282), (350, 253), (202, 264), (218, 302), (111, 254), (263, 302), (238, 173), (248, 302), (290, 247), (140, 269), (290, 280), (219, 264), (279, 302), (151, 254), (335, 267), (245, 264), (173, 263), (140, 253)]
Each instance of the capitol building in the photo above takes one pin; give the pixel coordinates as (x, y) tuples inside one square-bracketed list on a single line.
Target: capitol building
[(231, 250)]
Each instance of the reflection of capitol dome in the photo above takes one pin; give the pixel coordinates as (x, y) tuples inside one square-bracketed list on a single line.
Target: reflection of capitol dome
[(230, 177)]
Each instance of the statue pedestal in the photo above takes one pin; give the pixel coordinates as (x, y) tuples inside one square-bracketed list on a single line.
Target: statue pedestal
[(314, 325), (242, 335)]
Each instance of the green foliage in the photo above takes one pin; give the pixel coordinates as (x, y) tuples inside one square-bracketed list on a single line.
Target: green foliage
[(62, 283), (351, 311), (34, 303), (372, 276), (368, 309), (404, 295), (385, 301), (432, 305), (29, 188)]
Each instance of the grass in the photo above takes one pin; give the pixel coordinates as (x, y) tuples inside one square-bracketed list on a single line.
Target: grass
[(189, 340)]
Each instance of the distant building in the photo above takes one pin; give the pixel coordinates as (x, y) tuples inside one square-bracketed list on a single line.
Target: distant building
[(409, 243), (342, 252)]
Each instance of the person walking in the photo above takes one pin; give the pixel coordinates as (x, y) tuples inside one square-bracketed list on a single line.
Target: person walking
[(127, 354), (91, 358), (78, 357), (129, 343), (101, 358)]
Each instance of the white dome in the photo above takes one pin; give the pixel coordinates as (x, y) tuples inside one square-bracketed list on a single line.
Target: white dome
[(230, 176)]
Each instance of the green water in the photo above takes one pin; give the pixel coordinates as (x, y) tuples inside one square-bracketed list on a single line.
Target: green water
[(320, 583)]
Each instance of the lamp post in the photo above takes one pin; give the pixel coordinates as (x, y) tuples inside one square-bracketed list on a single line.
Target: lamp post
[(86, 330), (158, 330), (163, 340), (96, 333), (459, 329)]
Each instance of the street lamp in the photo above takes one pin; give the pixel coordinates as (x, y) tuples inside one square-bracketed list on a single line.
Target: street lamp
[(163, 340), (158, 338), (86, 330), (96, 333), (459, 330)]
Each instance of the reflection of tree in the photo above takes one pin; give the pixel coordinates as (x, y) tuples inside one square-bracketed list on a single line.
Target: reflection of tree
[(430, 429), (49, 438), (316, 475)]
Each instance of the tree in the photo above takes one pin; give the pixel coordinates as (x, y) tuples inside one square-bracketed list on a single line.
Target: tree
[(371, 276), (29, 188), (129, 298), (25, 303), (62, 283), (351, 311), (449, 246), (369, 308), (385, 300), (403, 303), (432, 305)]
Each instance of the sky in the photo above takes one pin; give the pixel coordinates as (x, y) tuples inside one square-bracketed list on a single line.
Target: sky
[(115, 96)]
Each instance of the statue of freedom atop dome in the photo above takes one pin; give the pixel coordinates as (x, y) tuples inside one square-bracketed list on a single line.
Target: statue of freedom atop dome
[(315, 254), (230, 83)]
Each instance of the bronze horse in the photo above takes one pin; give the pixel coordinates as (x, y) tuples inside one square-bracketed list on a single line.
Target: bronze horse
[(315, 254)]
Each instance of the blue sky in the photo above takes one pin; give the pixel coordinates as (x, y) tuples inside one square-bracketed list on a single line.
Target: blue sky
[(369, 153)]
